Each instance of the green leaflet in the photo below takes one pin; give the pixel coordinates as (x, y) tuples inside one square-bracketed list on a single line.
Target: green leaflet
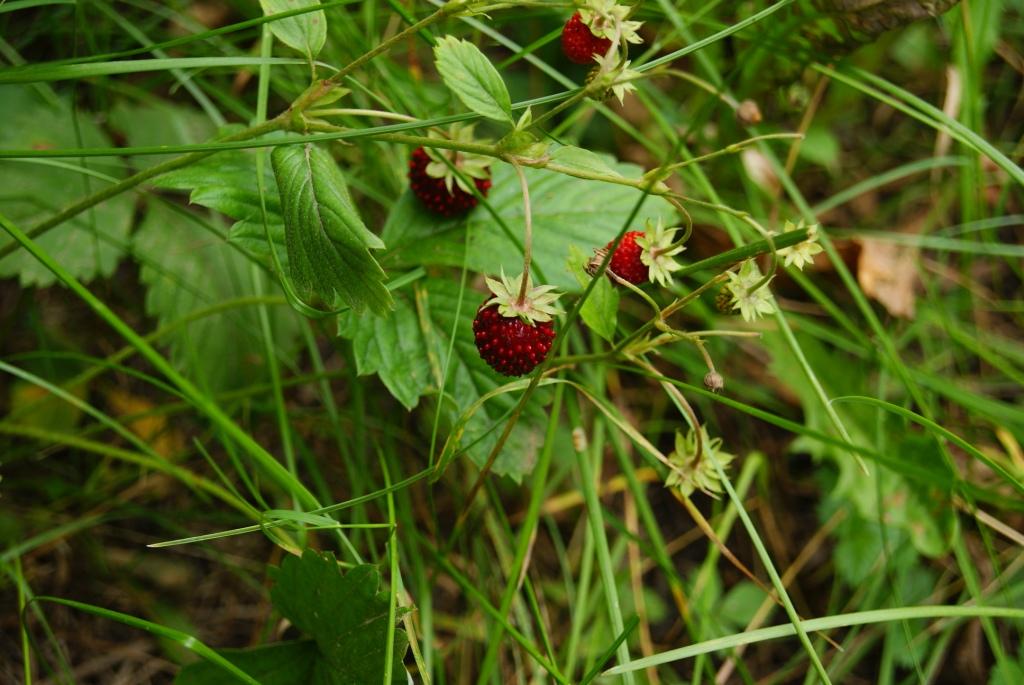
[(306, 33), (392, 347), (346, 615), (88, 245), (158, 123), (185, 269), (328, 244), (343, 616), (283, 663), (473, 79), (226, 182)]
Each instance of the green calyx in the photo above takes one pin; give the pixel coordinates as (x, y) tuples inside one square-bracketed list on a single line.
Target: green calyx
[(607, 19), (469, 164), (694, 470), (537, 305), (657, 251)]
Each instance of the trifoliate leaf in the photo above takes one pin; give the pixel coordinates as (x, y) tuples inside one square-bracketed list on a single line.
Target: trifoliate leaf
[(328, 244), (473, 79), (303, 32), (344, 618)]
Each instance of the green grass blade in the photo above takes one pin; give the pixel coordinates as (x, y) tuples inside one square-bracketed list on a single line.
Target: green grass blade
[(189, 642), (820, 624)]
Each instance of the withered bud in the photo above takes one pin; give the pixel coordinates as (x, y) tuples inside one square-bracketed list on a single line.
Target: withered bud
[(748, 113), (713, 381), (595, 262)]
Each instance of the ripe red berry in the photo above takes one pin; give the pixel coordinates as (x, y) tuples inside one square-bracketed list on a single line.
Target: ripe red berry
[(626, 263), (433, 192), (579, 44), (508, 344)]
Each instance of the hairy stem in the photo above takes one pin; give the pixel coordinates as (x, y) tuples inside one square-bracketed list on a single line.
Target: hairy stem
[(527, 234)]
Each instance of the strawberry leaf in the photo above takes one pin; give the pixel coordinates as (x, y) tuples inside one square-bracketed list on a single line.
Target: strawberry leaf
[(328, 244), (158, 123), (306, 33), (282, 663), (391, 347), (473, 79), (346, 615), (226, 182), (88, 245), (186, 268)]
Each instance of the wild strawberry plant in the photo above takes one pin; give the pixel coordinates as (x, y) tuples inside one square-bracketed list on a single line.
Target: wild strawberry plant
[(481, 299)]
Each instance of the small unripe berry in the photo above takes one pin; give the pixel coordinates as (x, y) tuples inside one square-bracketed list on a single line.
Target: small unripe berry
[(748, 113), (713, 381)]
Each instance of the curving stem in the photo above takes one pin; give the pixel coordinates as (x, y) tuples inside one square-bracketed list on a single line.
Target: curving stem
[(527, 233)]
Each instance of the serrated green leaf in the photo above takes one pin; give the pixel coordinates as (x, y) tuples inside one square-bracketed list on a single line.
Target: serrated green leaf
[(566, 210), (306, 33), (185, 268), (345, 614), (284, 663), (473, 79), (328, 244), (600, 310), (582, 160), (158, 123), (413, 368), (88, 245), (226, 182), (392, 347)]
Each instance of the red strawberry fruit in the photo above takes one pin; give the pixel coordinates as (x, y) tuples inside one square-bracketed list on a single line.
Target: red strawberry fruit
[(437, 194), (508, 345), (626, 262), (578, 42), (513, 334), (642, 256)]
